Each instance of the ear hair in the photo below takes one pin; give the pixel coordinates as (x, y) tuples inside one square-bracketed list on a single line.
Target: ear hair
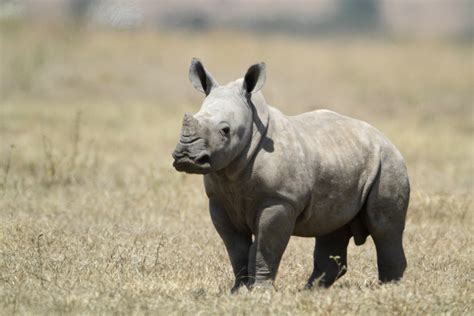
[(201, 79), (254, 78)]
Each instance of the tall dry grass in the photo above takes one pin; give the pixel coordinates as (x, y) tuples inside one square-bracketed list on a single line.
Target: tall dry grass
[(95, 220)]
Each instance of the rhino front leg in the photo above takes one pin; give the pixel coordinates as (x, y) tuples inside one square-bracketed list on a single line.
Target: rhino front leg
[(273, 228), (236, 242)]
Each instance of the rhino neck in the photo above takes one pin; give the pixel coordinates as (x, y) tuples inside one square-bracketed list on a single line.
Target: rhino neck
[(261, 118)]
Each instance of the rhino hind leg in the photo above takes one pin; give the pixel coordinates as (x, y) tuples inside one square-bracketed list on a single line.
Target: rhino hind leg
[(330, 258), (391, 259), (385, 216)]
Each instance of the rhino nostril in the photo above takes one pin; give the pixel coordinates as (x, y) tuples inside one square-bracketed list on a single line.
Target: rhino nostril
[(204, 159)]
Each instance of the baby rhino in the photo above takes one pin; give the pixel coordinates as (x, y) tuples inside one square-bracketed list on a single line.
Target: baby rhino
[(269, 176)]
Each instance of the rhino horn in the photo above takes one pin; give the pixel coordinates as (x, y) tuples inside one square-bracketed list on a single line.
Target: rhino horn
[(190, 127)]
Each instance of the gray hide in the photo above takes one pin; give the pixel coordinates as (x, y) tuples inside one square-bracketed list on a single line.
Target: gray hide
[(269, 176)]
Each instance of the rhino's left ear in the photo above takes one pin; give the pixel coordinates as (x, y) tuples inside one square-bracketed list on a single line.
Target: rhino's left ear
[(201, 79), (254, 78)]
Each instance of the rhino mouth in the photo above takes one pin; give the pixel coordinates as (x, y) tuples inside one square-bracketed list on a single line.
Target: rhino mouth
[(199, 164)]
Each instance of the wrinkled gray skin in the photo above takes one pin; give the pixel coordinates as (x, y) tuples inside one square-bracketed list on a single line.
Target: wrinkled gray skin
[(269, 176)]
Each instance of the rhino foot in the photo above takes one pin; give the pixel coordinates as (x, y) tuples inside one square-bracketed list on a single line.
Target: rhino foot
[(262, 286)]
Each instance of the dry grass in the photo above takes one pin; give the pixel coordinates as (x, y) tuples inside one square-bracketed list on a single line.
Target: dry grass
[(93, 219)]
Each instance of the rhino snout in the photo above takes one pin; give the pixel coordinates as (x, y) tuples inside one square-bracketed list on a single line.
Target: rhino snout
[(189, 159)]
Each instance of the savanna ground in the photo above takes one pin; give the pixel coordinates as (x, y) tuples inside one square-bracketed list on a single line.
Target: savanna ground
[(93, 218)]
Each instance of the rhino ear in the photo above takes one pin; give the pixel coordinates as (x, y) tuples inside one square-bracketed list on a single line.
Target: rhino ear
[(200, 78), (254, 78)]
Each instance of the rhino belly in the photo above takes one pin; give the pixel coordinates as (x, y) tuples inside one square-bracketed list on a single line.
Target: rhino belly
[(326, 215)]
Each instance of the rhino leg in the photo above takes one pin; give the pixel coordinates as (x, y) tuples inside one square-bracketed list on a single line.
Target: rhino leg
[(274, 226), (391, 259), (385, 215), (330, 257), (236, 242)]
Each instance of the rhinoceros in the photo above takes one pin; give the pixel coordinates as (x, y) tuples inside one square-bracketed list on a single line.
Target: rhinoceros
[(269, 176)]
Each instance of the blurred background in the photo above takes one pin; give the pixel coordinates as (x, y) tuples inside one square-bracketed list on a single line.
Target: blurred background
[(414, 18), (140, 49)]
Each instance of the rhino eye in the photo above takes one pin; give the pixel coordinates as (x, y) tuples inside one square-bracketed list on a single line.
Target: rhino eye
[(225, 131)]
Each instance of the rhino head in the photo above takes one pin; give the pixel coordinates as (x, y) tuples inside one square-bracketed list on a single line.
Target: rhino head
[(224, 126)]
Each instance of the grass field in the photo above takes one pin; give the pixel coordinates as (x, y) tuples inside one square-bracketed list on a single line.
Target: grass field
[(94, 219)]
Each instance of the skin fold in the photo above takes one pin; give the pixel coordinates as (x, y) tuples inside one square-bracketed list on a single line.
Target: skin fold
[(269, 176)]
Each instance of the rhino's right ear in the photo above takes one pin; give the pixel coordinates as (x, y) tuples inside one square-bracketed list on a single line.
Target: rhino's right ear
[(200, 78)]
